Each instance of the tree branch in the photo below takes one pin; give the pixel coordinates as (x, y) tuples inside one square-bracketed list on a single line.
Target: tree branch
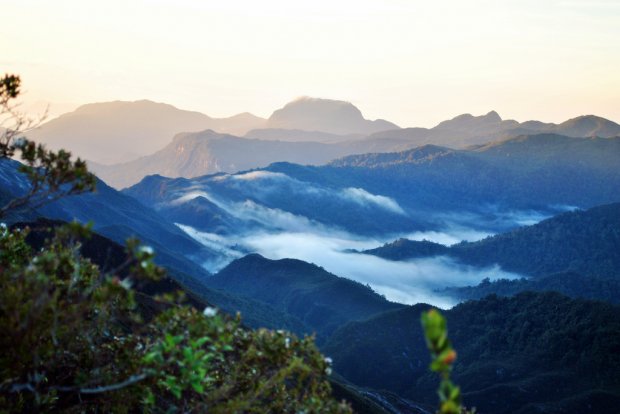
[(96, 390)]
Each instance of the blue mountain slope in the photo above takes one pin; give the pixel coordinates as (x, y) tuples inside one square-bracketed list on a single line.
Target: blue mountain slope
[(114, 215)]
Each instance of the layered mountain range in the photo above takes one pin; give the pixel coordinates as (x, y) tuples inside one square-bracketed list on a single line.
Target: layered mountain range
[(124, 141), (414, 190), (195, 154), (119, 131)]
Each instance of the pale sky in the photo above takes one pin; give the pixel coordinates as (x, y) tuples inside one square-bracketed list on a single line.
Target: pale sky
[(412, 62)]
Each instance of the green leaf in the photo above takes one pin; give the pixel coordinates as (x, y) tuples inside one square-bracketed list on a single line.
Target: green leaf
[(150, 357), (197, 386), (201, 341)]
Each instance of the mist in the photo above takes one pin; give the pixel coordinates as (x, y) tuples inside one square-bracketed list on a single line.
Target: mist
[(277, 234), (407, 282), (492, 218)]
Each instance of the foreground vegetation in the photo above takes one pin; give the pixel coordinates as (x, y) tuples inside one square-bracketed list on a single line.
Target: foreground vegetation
[(77, 340)]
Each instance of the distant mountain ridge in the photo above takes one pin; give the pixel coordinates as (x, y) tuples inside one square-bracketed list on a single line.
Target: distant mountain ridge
[(300, 135), (113, 134), (119, 131), (196, 154), (116, 131), (317, 147), (542, 169), (467, 130), (326, 115)]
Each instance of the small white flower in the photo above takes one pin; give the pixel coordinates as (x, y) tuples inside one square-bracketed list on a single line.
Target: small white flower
[(146, 250), (126, 283), (287, 342), (3, 230), (209, 312), (328, 371), (328, 360)]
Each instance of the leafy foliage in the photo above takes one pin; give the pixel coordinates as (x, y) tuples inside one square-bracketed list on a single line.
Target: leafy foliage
[(442, 358), (76, 339)]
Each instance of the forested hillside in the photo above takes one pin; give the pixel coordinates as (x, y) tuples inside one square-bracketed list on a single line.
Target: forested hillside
[(515, 355), (586, 242), (320, 299)]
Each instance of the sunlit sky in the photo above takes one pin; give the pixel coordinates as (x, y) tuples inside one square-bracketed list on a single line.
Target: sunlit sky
[(412, 62)]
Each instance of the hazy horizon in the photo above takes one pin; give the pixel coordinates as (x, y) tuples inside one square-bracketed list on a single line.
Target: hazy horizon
[(412, 63), (53, 110)]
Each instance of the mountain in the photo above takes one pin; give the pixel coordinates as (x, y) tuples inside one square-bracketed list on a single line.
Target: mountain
[(467, 130), (326, 115), (586, 242), (119, 131), (571, 284), (587, 126), (459, 132), (115, 215), (403, 249), (298, 135), (535, 352), (522, 172), (245, 202), (194, 154), (575, 253), (320, 299), (491, 188), (112, 132), (207, 152), (237, 124), (471, 126)]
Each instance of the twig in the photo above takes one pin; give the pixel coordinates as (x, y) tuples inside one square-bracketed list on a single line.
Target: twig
[(96, 390)]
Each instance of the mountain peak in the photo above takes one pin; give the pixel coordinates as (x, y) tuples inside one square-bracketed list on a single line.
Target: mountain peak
[(467, 121), (588, 126), (256, 261), (306, 106), (327, 115), (493, 116)]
